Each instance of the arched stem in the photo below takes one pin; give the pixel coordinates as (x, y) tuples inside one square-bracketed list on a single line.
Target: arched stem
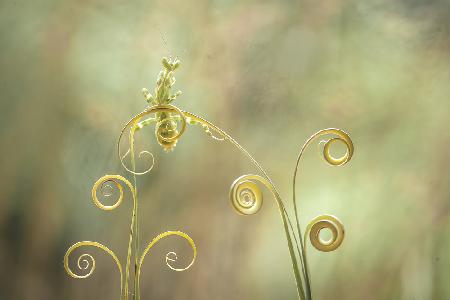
[(281, 207), (84, 258)]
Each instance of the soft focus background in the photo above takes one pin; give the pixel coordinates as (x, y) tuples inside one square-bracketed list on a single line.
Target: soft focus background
[(270, 73)]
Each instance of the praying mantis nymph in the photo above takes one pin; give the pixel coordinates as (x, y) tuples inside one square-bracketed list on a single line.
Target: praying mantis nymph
[(166, 122), (166, 126)]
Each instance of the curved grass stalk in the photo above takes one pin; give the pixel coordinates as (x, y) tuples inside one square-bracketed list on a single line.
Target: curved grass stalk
[(246, 198), (267, 181), (135, 219), (170, 257), (343, 137), (86, 258), (100, 184)]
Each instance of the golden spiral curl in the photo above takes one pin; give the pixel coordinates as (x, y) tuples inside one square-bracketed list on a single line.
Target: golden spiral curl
[(165, 130), (342, 137), (87, 262), (167, 137), (246, 196), (141, 155), (86, 259), (171, 256), (101, 184), (325, 222)]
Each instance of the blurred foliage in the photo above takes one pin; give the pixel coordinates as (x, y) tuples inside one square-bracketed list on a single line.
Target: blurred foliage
[(271, 73)]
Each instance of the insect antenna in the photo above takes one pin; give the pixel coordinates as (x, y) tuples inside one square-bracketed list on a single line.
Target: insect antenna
[(165, 42)]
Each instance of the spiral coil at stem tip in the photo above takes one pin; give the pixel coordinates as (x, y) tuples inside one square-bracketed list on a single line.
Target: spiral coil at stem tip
[(140, 155), (89, 261), (245, 195), (169, 140), (100, 183), (325, 222), (342, 137), (170, 256)]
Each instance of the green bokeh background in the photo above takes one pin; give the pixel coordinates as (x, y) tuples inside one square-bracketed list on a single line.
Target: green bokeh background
[(271, 73)]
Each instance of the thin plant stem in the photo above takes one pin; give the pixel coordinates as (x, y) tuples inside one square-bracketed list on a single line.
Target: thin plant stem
[(136, 294)]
